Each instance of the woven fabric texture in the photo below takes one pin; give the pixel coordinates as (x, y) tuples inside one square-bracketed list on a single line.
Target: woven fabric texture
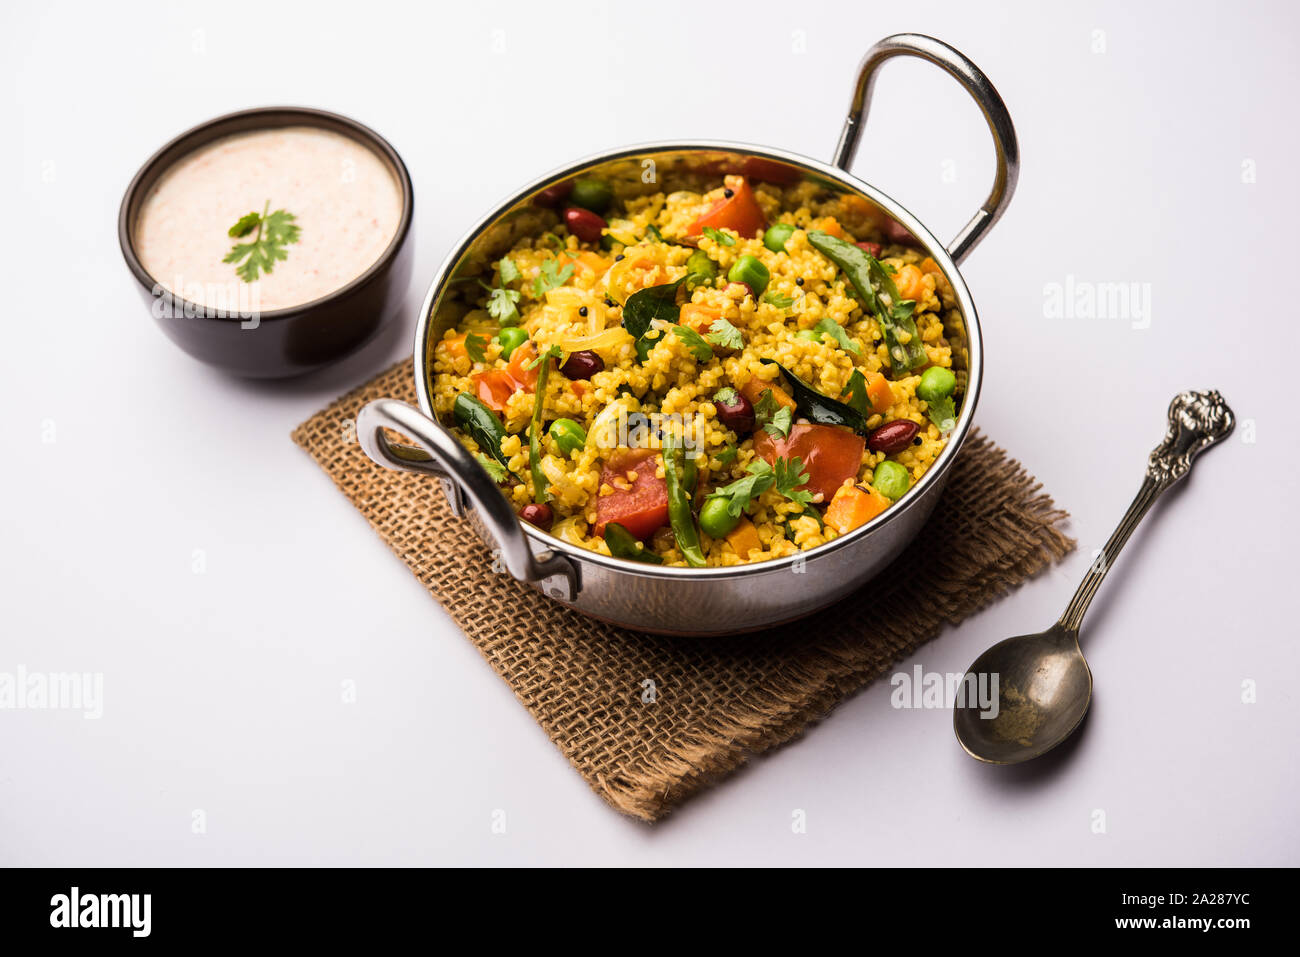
[(717, 701)]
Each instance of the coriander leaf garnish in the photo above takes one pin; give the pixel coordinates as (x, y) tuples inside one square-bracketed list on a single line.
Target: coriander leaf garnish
[(721, 238), (695, 342), (493, 467), (778, 300), (727, 454), (474, 345), (790, 474), (509, 271), (502, 302), (830, 327), (724, 334), (247, 223), (501, 305), (774, 419), (741, 492), (551, 277), (856, 391), (271, 233)]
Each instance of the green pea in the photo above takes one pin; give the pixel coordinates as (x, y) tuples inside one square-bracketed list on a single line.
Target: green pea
[(511, 338), (700, 270), (751, 272), (776, 236), (592, 194), (716, 518), (568, 435), (891, 480), (936, 384)]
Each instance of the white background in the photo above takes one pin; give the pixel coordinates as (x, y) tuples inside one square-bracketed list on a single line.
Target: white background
[(222, 690)]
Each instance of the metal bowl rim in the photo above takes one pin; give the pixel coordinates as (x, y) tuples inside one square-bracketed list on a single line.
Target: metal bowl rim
[(933, 475)]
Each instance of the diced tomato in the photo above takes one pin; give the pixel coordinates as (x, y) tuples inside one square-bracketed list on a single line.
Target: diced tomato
[(741, 212), (830, 454), (641, 508), (518, 366), (769, 171), (495, 388)]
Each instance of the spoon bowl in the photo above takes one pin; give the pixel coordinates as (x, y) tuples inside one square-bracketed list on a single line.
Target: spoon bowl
[(1043, 681), (1043, 687)]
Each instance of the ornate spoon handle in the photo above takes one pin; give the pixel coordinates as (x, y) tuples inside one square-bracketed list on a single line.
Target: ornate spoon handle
[(1197, 420)]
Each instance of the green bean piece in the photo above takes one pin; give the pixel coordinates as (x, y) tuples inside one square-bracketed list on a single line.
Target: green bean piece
[(535, 434), (568, 435), (690, 472), (700, 270), (751, 271), (873, 284), (622, 544), (679, 507)]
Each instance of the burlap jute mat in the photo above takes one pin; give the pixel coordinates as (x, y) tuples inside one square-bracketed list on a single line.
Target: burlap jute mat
[(717, 701)]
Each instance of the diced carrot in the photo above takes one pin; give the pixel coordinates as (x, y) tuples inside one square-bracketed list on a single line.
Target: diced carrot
[(909, 283), (699, 317), (740, 211), (929, 265), (854, 506), (832, 225), (856, 204), (454, 347), (579, 387), (586, 261), (495, 388), (880, 393), (753, 391), (743, 539), (518, 367)]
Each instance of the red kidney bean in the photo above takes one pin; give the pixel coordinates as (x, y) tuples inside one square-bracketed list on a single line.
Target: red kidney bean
[(582, 365), (893, 436), (735, 413), (872, 249), (539, 515), (584, 224), (553, 196)]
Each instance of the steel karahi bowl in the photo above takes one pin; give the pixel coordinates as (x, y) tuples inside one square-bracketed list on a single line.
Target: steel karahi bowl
[(691, 601)]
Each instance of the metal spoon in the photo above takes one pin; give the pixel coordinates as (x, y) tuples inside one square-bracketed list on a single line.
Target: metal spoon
[(1043, 682)]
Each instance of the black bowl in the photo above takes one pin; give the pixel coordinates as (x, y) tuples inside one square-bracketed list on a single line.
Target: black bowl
[(297, 339)]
